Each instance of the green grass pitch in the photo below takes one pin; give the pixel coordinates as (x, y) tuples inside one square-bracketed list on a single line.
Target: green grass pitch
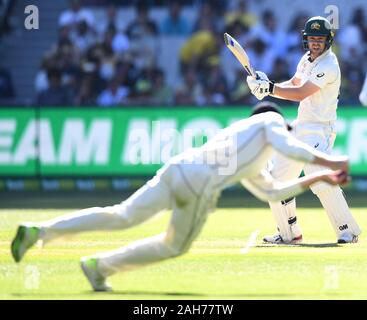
[(214, 268)]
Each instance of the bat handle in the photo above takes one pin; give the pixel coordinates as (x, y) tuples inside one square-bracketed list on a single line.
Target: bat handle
[(251, 72)]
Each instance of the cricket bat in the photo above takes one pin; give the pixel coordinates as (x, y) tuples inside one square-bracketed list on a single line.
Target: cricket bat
[(240, 54)]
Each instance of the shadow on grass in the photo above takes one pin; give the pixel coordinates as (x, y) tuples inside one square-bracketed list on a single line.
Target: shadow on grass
[(319, 245), (204, 296), (122, 293), (306, 245)]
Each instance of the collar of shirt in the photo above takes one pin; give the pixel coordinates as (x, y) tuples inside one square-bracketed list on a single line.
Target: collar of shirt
[(327, 52)]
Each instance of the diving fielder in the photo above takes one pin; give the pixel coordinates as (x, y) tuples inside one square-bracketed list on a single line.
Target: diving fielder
[(189, 184), (316, 86)]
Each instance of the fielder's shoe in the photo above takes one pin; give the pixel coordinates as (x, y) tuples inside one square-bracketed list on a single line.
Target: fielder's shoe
[(348, 238), (277, 239), (25, 238), (97, 281)]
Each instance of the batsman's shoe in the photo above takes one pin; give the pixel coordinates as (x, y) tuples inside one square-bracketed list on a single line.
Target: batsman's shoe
[(296, 233), (348, 238), (277, 239), (25, 238), (95, 278)]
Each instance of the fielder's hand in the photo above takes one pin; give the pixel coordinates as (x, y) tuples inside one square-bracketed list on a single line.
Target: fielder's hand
[(340, 163), (339, 177)]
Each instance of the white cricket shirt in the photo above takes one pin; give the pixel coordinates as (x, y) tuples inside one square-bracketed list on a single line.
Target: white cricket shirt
[(241, 151), (324, 72)]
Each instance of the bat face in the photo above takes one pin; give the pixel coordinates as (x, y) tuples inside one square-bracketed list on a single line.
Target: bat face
[(239, 53)]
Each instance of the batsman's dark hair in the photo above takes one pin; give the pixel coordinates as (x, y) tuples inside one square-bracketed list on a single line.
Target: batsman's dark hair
[(268, 106)]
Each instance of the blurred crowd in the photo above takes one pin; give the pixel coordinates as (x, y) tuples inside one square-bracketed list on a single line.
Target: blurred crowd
[(98, 63)]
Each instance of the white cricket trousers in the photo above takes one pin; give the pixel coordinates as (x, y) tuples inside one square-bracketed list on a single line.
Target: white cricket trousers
[(320, 137), (186, 189)]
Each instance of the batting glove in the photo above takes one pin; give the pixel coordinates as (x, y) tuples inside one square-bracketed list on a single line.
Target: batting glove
[(260, 88), (261, 76)]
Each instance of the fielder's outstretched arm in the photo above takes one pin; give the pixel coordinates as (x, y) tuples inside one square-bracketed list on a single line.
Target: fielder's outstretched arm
[(267, 189), (289, 146)]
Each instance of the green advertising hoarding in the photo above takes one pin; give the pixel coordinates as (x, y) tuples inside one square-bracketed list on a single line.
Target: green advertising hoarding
[(132, 141)]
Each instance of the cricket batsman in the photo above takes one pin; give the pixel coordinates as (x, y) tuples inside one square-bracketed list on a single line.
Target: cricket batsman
[(316, 86), (189, 184)]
